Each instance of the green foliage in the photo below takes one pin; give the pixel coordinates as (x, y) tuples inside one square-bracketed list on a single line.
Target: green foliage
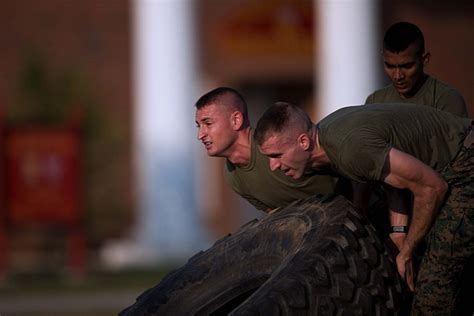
[(49, 96), (44, 96)]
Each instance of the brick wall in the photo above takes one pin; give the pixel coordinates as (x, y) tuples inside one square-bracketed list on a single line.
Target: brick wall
[(90, 39)]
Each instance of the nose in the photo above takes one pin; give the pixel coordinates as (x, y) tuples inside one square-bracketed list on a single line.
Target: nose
[(399, 73), (274, 164), (201, 133)]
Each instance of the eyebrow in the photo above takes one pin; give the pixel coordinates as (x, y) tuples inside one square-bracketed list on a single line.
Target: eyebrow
[(204, 119), (402, 65)]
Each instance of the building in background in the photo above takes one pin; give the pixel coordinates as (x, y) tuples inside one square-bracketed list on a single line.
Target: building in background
[(274, 50)]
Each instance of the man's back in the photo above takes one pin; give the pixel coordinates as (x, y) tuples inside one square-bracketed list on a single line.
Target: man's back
[(357, 139)]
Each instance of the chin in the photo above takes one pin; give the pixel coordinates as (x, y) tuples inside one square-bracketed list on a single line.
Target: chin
[(296, 176), (211, 153)]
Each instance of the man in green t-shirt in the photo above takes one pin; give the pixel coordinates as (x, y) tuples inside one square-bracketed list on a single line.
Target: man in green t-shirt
[(404, 58), (225, 131), (402, 146)]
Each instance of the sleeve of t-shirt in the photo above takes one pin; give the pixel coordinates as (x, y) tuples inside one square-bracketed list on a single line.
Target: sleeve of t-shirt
[(362, 156), (453, 102)]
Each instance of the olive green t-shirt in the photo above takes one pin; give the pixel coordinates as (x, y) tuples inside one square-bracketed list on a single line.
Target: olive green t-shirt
[(433, 93), (266, 189), (357, 139)]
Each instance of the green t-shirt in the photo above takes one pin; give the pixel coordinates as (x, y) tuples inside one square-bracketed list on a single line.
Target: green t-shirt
[(357, 139), (433, 93), (266, 189)]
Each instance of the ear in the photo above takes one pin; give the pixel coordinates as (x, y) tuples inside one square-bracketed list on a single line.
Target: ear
[(304, 141), (425, 58), (237, 119)]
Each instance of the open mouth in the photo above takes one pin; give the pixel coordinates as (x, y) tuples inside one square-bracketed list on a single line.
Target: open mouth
[(286, 172), (400, 85), (207, 144)]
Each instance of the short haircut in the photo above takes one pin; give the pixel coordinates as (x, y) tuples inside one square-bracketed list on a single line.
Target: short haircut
[(280, 118), (401, 35), (224, 96)]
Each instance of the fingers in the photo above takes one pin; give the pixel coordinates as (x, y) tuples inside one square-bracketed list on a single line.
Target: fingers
[(406, 271), (409, 276), (401, 267)]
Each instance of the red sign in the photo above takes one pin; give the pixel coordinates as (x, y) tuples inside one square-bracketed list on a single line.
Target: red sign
[(42, 175)]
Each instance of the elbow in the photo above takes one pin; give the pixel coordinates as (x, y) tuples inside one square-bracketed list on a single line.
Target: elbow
[(441, 189), (435, 191)]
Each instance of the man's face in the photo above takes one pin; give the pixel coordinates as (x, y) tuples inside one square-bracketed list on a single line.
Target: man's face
[(285, 153), (405, 70), (215, 130)]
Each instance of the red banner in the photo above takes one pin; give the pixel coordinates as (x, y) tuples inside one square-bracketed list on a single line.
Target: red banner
[(42, 175)]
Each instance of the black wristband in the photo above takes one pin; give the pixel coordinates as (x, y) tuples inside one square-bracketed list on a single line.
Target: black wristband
[(399, 229)]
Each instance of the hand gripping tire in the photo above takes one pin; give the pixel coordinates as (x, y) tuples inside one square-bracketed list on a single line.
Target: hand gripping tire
[(313, 257)]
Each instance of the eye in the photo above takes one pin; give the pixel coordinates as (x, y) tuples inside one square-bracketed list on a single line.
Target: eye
[(274, 156), (407, 65)]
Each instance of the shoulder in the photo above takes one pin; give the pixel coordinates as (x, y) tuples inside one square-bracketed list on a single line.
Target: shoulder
[(443, 89), (448, 98), (381, 95)]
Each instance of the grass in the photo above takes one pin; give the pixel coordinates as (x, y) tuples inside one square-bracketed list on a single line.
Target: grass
[(50, 282), (51, 294)]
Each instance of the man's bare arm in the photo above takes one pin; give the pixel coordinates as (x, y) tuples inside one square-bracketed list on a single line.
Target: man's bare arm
[(404, 171), (399, 204)]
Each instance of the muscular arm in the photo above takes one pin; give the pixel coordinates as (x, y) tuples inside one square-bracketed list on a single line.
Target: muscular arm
[(404, 171), (399, 203)]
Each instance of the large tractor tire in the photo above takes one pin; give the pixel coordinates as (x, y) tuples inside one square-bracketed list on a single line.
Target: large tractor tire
[(313, 257)]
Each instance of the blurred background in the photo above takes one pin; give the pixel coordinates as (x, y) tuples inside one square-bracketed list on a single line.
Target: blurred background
[(103, 185)]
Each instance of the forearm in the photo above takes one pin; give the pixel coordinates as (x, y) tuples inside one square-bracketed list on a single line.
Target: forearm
[(400, 220), (426, 205), (400, 207)]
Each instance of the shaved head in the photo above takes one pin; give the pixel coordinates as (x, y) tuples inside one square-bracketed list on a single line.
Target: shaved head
[(227, 99), (284, 119)]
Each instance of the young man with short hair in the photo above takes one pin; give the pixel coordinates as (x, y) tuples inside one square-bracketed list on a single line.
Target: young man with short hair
[(224, 130), (402, 146), (404, 59)]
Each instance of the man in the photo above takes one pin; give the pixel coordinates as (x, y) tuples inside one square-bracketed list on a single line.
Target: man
[(224, 129), (404, 59), (426, 151)]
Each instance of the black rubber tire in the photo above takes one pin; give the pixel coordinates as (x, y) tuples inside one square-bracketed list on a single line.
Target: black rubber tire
[(313, 257)]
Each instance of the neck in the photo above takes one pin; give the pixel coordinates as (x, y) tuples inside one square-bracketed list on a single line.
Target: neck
[(241, 149), (319, 158)]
